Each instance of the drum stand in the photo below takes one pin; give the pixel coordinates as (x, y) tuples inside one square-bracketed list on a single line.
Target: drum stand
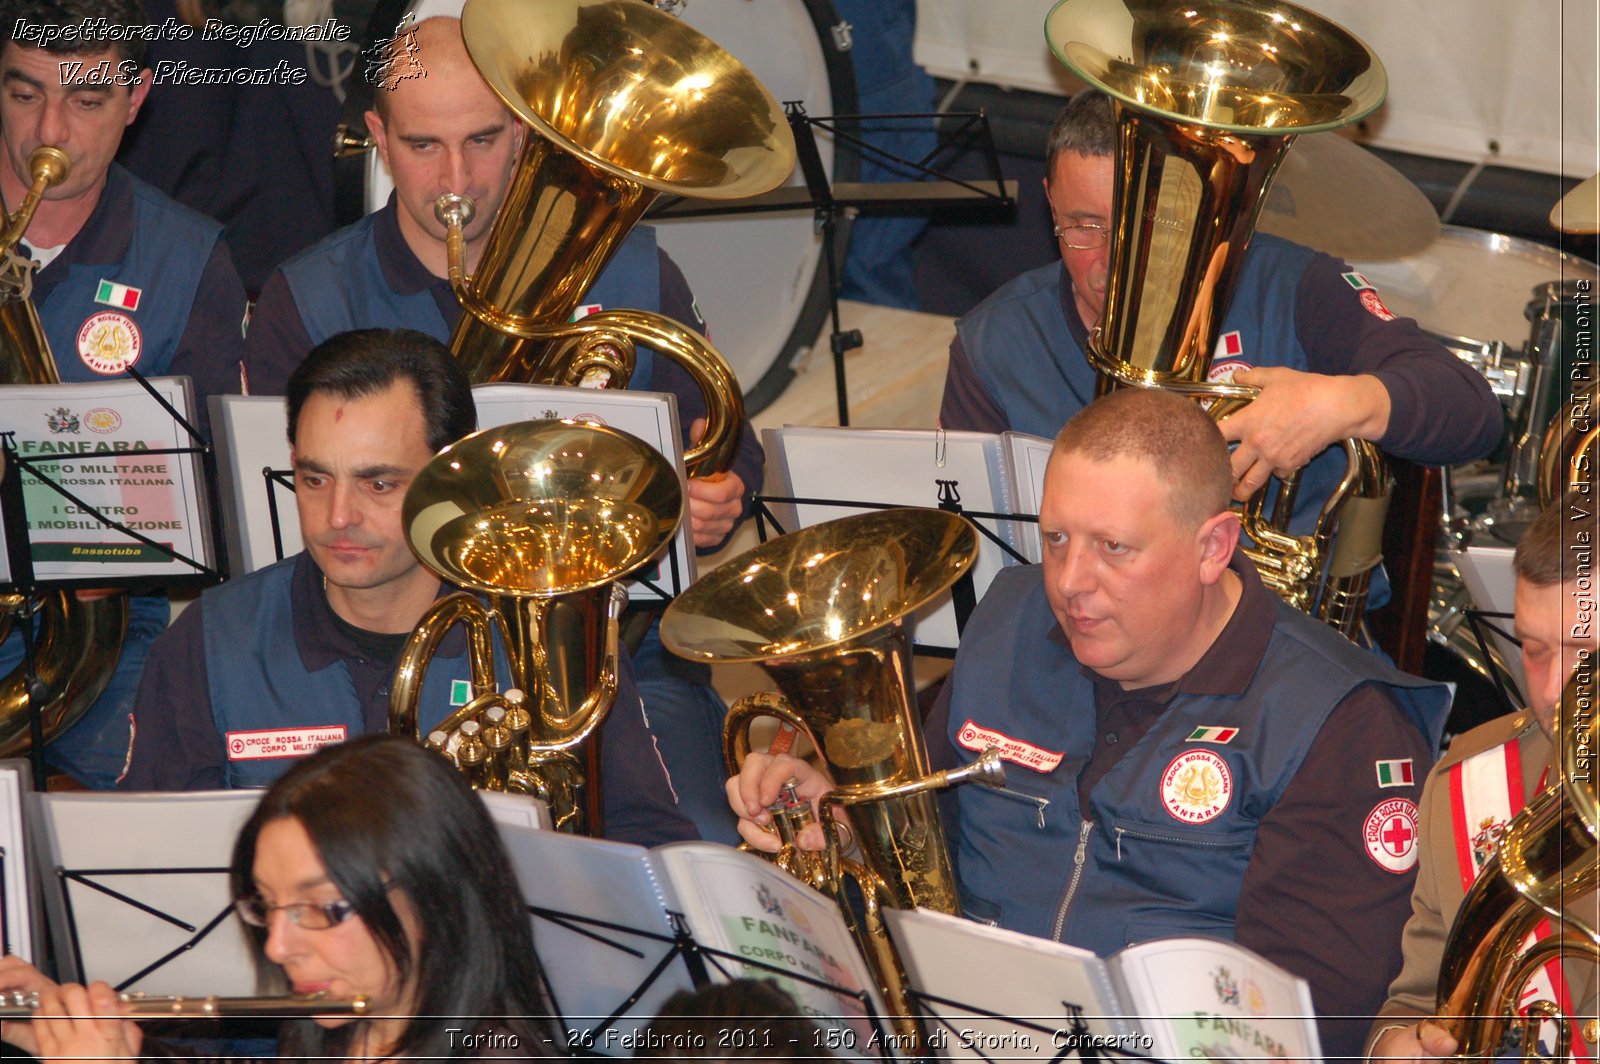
[(830, 203)]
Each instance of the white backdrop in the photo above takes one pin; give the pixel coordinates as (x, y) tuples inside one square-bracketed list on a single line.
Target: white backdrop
[(1513, 84)]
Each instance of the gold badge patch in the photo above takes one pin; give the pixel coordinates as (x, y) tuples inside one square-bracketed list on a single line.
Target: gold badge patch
[(109, 342)]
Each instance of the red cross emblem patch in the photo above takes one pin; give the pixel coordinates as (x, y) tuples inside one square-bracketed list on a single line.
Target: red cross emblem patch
[(1390, 834)]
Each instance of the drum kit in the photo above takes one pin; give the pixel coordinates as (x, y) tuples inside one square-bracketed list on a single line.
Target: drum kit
[(1511, 309)]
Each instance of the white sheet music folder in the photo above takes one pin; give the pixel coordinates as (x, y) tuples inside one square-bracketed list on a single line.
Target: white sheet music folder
[(600, 946), (140, 876), (895, 467)]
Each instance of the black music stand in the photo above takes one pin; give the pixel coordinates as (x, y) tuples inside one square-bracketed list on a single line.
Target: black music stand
[(19, 551), (831, 201)]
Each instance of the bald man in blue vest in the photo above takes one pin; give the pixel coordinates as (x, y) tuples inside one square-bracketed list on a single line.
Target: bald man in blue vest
[(1187, 755)]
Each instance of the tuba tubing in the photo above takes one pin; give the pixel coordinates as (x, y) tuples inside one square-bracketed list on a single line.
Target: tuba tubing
[(1548, 853)]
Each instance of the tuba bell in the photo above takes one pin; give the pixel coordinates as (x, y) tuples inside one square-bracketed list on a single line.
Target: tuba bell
[(541, 518), (1208, 97), (622, 103), (1546, 857), (78, 643), (825, 610)]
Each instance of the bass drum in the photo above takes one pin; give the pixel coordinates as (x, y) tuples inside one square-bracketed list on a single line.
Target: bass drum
[(759, 279)]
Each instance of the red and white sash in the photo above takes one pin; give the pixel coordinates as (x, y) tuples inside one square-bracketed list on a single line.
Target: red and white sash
[(1485, 793)]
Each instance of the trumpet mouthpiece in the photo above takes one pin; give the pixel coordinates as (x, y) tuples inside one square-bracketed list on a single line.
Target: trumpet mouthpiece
[(454, 211)]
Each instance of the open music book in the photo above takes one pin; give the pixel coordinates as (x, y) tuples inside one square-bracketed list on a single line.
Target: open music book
[(981, 472), (989, 993), (611, 956)]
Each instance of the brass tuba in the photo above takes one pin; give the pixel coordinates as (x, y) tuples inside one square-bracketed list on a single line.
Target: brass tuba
[(1546, 857), (623, 103), (541, 517), (825, 611), (78, 643), (1208, 97), (1570, 448)]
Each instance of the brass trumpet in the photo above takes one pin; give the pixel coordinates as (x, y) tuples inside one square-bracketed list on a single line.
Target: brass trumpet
[(20, 1006), (825, 611), (541, 517), (622, 103)]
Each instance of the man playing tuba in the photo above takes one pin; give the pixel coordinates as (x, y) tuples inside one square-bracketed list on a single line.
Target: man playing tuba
[(270, 666), (1487, 776), (1312, 334), (442, 130), (1186, 753)]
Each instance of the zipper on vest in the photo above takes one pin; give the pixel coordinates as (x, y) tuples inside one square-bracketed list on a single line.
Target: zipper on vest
[(1121, 831), (1078, 859)]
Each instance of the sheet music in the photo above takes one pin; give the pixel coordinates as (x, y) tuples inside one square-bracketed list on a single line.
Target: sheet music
[(16, 916), (135, 878), (107, 424), (899, 467), (1028, 456)]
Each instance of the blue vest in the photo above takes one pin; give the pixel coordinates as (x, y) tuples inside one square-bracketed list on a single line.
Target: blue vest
[(339, 285), (1145, 873), (256, 679), (165, 260)]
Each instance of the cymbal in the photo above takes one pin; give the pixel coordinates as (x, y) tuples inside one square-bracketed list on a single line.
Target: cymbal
[(1579, 210), (1336, 196)]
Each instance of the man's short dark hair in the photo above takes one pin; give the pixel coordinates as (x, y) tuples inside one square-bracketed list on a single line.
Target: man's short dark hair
[(364, 362), (116, 15), (1166, 431), (1545, 555), (1086, 126)]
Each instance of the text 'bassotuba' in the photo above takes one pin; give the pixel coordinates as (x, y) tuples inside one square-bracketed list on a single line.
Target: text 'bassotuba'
[(541, 517), (623, 103), (78, 643), (1208, 97), (825, 611)]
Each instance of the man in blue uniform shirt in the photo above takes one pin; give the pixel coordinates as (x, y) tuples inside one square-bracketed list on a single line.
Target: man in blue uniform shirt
[(1311, 333), (1188, 755), (446, 131), (129, 278), (303, 652)]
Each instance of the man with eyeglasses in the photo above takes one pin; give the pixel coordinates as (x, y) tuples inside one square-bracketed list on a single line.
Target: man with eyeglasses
[(1311, 333)]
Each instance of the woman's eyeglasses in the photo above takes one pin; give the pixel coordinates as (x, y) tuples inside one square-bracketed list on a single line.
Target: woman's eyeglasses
[(310, 916), (1080, 237)]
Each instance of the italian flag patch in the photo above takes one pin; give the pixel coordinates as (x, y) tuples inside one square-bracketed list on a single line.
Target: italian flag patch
[(1356, 281), (121, 296), (1212, 734), (1395, 773)]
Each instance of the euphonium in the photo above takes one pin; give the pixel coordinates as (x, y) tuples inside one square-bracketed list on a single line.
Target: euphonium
[(1208, 97), (78, 643), (541, 517), (825, 611), (622, 103), (1570, 448), (1545, 864)]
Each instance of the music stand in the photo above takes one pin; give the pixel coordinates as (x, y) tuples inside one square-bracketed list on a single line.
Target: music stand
[(258, 484), (136, 889), (832, 200), (35, 566), (613, 957)]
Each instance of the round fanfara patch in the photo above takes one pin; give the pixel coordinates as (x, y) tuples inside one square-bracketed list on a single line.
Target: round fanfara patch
[(109, 342), (1223, 371), (1374, 305), (1196, 787), (1391, 835), (103, 419)]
